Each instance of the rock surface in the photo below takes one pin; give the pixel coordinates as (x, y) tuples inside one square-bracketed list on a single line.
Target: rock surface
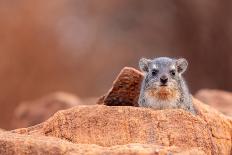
[(35, 112), (99, 129), (125, 89), (219, 99), (11, 144), (108, 126), (217, 123)]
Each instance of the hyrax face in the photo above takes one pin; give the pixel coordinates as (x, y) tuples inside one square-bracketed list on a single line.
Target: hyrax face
[(162, 76)]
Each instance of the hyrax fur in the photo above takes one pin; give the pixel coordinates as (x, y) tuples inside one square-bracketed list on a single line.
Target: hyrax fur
[(163, 86)]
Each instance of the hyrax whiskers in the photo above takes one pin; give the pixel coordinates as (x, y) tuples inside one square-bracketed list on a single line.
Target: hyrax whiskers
[(163, 86)]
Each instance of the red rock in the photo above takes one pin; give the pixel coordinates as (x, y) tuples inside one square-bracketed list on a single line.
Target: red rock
[(218, 99), (217, 123), (114, 128), (35, 112), (11, 144), (109, 126), (125, 89)]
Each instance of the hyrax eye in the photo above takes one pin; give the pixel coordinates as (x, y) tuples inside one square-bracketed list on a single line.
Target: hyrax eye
[(173, 72), (154, 72)]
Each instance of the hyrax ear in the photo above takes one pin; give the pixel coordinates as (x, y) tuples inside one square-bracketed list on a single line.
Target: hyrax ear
[(181, 65), (144, 64)]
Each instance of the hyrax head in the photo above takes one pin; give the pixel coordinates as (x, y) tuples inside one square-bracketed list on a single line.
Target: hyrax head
[(162, 72)]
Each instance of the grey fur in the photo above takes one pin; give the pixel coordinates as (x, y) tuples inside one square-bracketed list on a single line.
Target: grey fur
[(154, 70)]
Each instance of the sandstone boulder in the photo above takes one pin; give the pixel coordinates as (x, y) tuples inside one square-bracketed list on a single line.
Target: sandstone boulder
[(219, 125), (219, 99), (119, 125), (13, 144), (216, 122), (109, 126), (34, 112), (125, 89)]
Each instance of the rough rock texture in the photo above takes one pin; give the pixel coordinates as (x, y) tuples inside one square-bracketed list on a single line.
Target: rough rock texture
[(125, 89), (222, 101), (108, 126), (105, 129), (21, 144), (35, 112), (218, 124), (219, 99)]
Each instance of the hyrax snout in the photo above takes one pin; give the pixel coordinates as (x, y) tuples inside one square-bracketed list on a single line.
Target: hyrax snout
[(163, 86)]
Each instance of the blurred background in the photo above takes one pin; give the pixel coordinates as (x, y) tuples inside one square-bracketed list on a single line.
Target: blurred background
[(79, 47)]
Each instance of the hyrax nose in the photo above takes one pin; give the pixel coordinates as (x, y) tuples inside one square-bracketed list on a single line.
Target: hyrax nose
[(164, 79)]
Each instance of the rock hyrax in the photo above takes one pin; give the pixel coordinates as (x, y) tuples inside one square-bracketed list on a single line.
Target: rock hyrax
[(163, 86)]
